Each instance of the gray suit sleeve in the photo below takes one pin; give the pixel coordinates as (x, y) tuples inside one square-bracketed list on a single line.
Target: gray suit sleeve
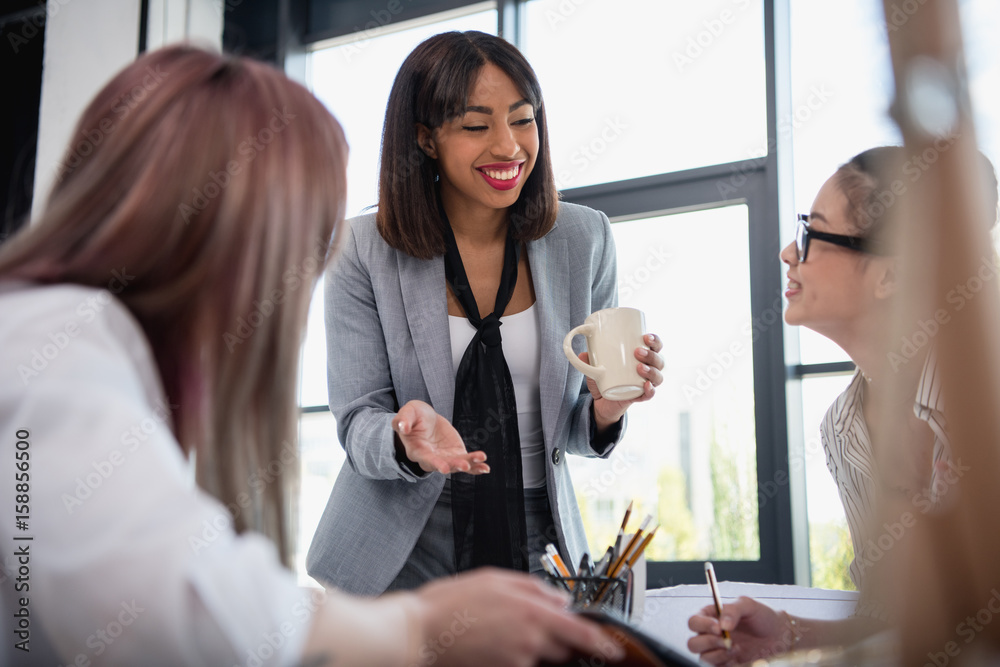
[(362, 396), (604, 294)]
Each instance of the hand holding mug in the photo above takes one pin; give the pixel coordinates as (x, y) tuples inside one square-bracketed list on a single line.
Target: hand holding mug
[(622, 363)]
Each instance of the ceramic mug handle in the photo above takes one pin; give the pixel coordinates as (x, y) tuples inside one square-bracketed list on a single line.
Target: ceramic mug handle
[(590, 371)]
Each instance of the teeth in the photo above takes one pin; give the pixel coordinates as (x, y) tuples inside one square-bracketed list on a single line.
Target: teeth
[(501, 175), (793, 285)]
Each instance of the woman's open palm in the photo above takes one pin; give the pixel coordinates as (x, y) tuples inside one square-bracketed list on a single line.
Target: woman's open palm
[(433, 443)]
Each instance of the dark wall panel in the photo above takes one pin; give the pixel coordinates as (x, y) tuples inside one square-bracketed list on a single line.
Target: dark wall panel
[(22, 46), (334, 18), (251, 28)]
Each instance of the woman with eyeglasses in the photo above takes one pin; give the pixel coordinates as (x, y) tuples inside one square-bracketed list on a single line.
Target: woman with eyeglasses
[(841, 280)]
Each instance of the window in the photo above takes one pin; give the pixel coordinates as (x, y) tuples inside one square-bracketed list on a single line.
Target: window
[(359, 63), (353, 76), (338, 73), (841, 96), (830, 549), (689, 456), (701, 475), (321, 458), (674, 118), (653, 86)]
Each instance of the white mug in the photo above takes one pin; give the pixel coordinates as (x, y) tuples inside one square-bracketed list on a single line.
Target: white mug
[(612, 336)]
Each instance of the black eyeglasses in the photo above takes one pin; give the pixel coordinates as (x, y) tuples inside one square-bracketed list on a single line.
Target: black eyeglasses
[(803, 234)]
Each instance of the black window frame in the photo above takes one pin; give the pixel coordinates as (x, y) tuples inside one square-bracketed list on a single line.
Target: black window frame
[(764, 185)]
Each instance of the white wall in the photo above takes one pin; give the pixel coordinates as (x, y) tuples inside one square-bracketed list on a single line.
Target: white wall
[(86, 43)]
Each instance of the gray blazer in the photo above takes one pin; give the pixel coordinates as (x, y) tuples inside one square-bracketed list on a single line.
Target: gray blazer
[(388, 343)]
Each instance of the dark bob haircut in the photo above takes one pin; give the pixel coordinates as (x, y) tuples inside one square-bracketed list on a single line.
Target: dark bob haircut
[(431, 88)]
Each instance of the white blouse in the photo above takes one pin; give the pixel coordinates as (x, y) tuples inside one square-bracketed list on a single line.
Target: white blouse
[(851, 461), (128, 562), (520, 335)]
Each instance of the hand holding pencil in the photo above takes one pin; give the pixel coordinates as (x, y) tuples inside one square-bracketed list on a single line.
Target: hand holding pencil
[(713, 585), (755, 631)]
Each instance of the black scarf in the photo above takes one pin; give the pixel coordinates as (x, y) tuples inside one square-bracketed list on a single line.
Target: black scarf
[(488, 509)]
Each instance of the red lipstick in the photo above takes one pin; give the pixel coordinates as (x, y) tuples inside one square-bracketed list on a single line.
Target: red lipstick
[(505, 183)]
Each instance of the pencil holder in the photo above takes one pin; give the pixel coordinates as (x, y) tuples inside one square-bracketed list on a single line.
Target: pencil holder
[(609, 595)]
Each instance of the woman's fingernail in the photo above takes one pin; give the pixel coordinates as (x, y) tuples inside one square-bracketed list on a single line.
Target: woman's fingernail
[(645, 368), (643, 352)]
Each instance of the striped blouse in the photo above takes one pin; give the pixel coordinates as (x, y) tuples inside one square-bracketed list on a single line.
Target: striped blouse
[(851, 461)]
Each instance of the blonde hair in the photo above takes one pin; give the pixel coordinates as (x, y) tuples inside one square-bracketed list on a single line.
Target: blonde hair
[(214, 186)]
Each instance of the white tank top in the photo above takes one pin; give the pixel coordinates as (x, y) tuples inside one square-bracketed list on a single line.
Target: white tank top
[(524, 359)]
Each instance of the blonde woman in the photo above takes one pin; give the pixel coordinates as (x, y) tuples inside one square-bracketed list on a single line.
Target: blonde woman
[(152, 319)]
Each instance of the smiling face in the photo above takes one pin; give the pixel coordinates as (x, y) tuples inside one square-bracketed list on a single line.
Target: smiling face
[(835, 288), (485, 155)]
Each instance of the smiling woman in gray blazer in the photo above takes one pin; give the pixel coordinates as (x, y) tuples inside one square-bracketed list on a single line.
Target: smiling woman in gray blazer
[(456, 436)]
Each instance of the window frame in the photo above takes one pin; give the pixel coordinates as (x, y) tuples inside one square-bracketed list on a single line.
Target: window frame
[(762, 184), (745, 182)]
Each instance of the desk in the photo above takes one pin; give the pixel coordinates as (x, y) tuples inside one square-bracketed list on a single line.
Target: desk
[(666, 610)]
